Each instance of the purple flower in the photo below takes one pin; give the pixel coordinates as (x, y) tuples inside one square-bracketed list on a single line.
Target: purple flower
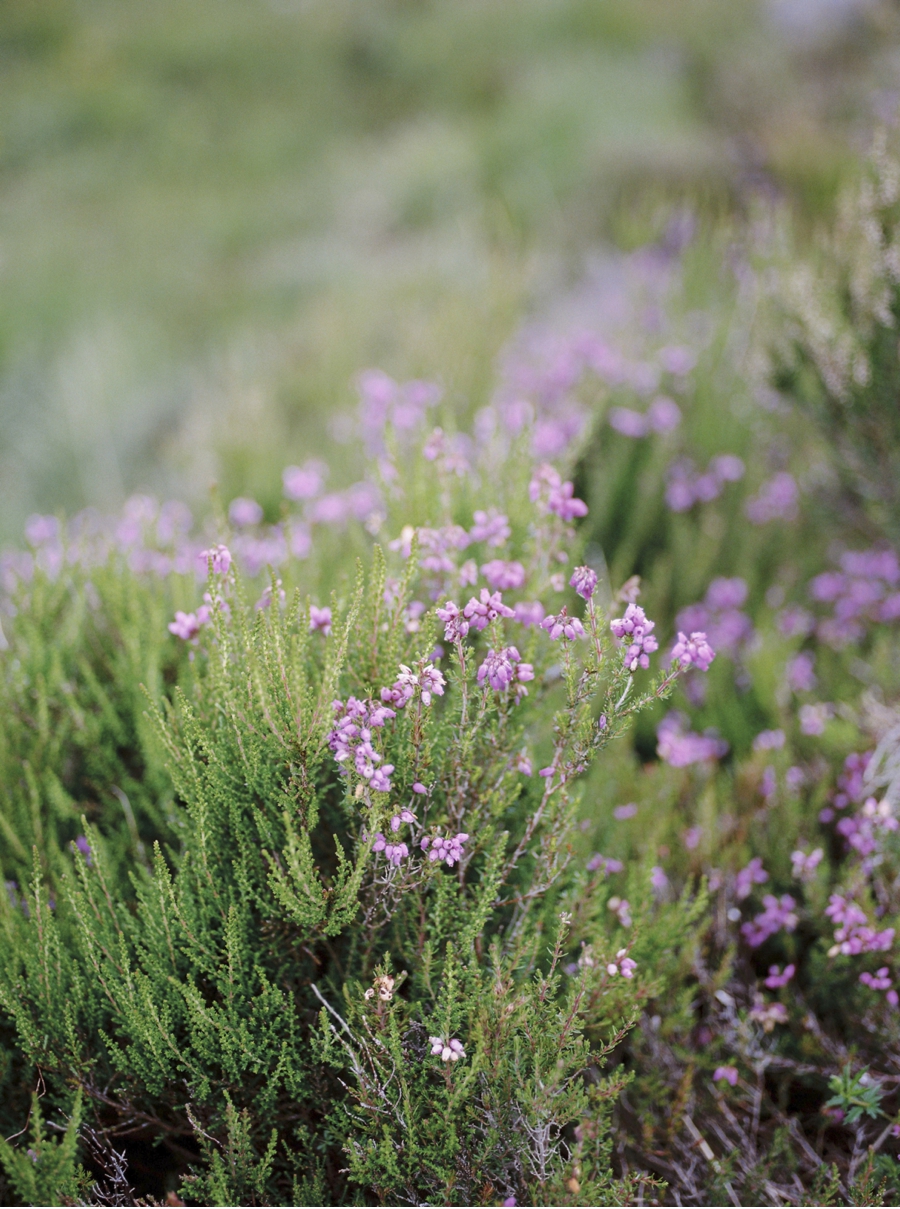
[(320, 619), (455, 625), (448, 1051), (243, 512), (664, 414), (523, 763), (676, 359), (623, 965), (748, 877), (881, 981), (491, 527), (561, 501), (418, 787), (604, 864), (81, 843), (799, 672), (813, 718), (507, 576), (727, 468), (449, 849), (562, 626), (529, 613), (778, 914), (220, 557), (584, 581), (776, 500), (487, 608), (394, 853), (501, 667), (694, 651), (304, 482), (803, 864), (637, 630), (625, 812), (627, 422), (776, 979), (692, 838), (727, 1073), (679, 748), (188, 625), (769, 740), (428, 682)]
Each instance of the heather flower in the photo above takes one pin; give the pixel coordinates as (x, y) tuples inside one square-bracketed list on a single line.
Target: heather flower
[(694, 651), (507, 576), (679, 748), (584, 581), (491, 527), (727, 468), (776, 500), (778, 913), (523, 763), (188, 625), (658, 879), (622, 909), (881, 981), (663, 414), (565, 504), (304, 482), (244, 512), (776, 979), (751, 875), (692, 838), (529, 613), (623, 965), (625, 812), (455, 625), (487, 608), (799, 672), (447, 1051), (604, 864), (220, 557), (320, 619), (769, 740), (500, 668), (405, 816), (428, 681), (627, 422), (394, 852), (561, 625), (803, 864), (813, 718), (449, 849), (768, 1014), (728, 1074), (638, 631)]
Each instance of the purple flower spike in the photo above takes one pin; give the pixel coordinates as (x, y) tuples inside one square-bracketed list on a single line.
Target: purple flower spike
[(221, 559), (448, 849), (584, 581), (638, 631)]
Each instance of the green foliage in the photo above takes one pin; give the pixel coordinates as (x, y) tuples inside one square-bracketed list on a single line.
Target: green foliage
[(855, 1094), (47, 1171)]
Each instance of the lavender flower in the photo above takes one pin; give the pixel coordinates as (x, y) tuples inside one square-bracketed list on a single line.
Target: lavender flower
[(561, 625), (584, 581), (529, 613), (775, 500)]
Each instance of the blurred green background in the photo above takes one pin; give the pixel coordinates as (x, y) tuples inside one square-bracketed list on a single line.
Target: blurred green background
[(213, 213)]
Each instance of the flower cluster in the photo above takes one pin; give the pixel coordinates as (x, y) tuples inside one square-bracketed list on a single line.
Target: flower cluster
[(751, 875), (637, 631), (551, 494), (720, 617), (854, 935), (351, 740), (864, 591), (661, 416), (685, 487), (447, 1051), (188, 625), (428, 682), (680, 747), (561, 625), (863, 830), (778, 913), (623, 965), (394, 850), (584, 581), (501, 668), (448, 849), (881, 981), (692, 652), (776, 500)]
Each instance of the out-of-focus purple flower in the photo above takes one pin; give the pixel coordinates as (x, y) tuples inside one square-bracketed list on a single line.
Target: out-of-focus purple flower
[(776, 979), (751, 875), (769, 783), (306, 481), (794, 621), (523, 763), (635, 628), (724, 593), (448, 849), (565, 503), (604, 864), (778, 913), (776, 500), (491, 527), (299, 540), (727, 468), (529, 613), (853, 934), (676, 359), (220, 557), (693, 652), (428, 682), (795, 777), (692, 838), (584, 581), (813, 718), (84, 847), (188, 625), (799, 672), (243, 512), (663, 414), (881, 981), (623, 965), (625, 812), (40, 530), (480, 612), (727, 1074), (448, 1051), (658, 879), (561, 625), (679, 747), (507, 576), (769, 740), (627, 422), (851, 782), (622, 909), (320, 619)]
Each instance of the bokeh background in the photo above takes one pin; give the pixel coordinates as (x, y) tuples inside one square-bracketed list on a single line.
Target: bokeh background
[(213, 214)]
